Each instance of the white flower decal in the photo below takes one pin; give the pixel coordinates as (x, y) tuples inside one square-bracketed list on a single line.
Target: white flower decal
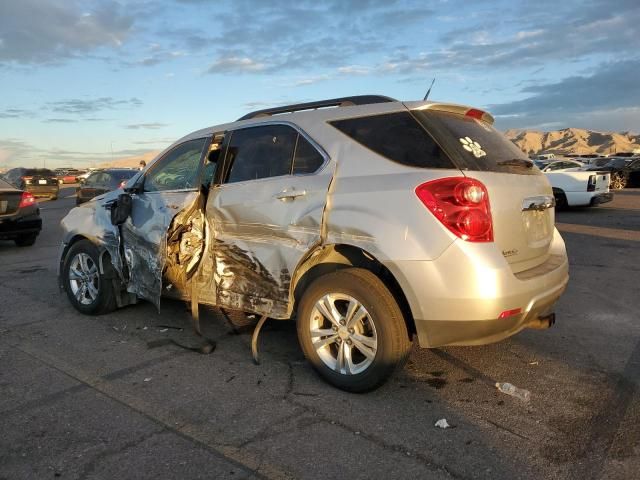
[(473, 147)]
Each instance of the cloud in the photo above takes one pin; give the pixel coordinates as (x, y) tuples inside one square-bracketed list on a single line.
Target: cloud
[(610, 91), (236, 65), (147, 126), (78, 106), (60, 120), (46, 31), (15, 113)]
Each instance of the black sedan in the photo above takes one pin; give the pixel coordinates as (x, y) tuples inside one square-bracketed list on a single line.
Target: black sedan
[(625, 172), (103, 181), (19, 215), (40, 182)]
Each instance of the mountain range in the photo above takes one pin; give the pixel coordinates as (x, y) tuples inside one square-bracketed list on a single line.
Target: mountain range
[(575, 141)]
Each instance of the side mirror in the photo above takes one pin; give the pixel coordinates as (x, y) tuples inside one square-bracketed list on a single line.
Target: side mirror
[(121, 209)]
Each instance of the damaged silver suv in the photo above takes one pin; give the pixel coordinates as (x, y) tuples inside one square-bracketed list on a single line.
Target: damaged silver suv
[(367, 220)]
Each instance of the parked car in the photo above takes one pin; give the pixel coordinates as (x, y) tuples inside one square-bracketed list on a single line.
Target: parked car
[(368, 223), (562, 166), (83, 176), (576, 188), (19, 215), (625, 172), (69, 176), (40, 182), (103, 181)]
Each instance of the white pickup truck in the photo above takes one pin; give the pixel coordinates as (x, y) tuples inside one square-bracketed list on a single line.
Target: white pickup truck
[(573, 188)]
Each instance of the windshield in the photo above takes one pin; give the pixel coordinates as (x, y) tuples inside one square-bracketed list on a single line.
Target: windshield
[(616, 163), (475, 145)]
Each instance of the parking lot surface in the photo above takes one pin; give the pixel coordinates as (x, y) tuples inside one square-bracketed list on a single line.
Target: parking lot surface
[(113, 397)]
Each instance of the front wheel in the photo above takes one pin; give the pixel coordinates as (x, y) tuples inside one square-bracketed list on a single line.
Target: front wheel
[(89, 291), (351, 330)]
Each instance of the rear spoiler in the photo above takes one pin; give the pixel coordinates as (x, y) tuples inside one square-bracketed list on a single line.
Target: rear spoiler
[(452, 108)]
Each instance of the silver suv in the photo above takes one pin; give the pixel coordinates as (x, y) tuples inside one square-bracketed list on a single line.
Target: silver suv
[(368, 220)]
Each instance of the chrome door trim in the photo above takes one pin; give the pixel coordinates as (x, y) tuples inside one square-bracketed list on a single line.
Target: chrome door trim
[(538, 203)]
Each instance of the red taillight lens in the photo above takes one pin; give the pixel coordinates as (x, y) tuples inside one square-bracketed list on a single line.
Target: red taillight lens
[(461, 204), (510, 313), (26, 200)]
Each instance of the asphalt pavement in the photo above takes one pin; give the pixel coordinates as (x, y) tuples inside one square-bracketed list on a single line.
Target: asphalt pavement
[(112, 397)]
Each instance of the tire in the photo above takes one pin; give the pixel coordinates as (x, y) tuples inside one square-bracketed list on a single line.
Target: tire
[(26, 240), (377, 320), (561, 199), (91, 294), (618, 181)]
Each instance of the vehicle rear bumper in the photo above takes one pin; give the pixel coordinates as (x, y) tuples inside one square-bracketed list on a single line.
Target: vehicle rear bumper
[(11, 228), (581, 199), (42, 190), (458, 298), (602, 198)]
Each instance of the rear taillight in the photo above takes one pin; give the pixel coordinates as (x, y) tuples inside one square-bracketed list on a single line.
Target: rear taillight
[(26, 200), (461, 204), (591, 186)]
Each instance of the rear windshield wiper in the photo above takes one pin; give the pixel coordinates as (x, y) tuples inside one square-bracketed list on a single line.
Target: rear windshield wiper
[(516, 162)]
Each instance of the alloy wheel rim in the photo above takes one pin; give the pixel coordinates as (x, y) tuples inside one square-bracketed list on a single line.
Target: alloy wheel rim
[(84, 279), (343, 334)]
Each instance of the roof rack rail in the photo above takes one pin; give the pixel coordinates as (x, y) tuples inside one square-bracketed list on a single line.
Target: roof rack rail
[(333, 102)]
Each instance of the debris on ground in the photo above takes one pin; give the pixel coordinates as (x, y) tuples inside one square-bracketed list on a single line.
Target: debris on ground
[(148, 379), (514, 391), (534, 363), (442, 423)]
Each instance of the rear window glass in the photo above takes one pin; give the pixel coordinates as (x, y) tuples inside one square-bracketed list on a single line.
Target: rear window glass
[(475, 145), (398, 137), (260, 152), (122, 174), (306, 159), (39, 171)]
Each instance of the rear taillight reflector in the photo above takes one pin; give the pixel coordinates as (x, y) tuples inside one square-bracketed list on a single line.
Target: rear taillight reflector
[(510, 313), (26, 200), (461, 204)]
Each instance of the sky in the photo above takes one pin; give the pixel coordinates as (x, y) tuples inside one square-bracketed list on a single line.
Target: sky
[(84, 82)]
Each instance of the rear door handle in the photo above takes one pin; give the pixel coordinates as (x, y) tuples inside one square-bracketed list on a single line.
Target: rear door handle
[(290, 194)]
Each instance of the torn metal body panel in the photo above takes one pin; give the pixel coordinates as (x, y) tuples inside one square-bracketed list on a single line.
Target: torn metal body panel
[(185, 246), (145, 236), (259, 237), (92, 220)]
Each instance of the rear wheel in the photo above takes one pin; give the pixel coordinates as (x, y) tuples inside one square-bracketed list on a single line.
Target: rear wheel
[(561, 199), (89, 291), (351, 330), (26, 240)]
